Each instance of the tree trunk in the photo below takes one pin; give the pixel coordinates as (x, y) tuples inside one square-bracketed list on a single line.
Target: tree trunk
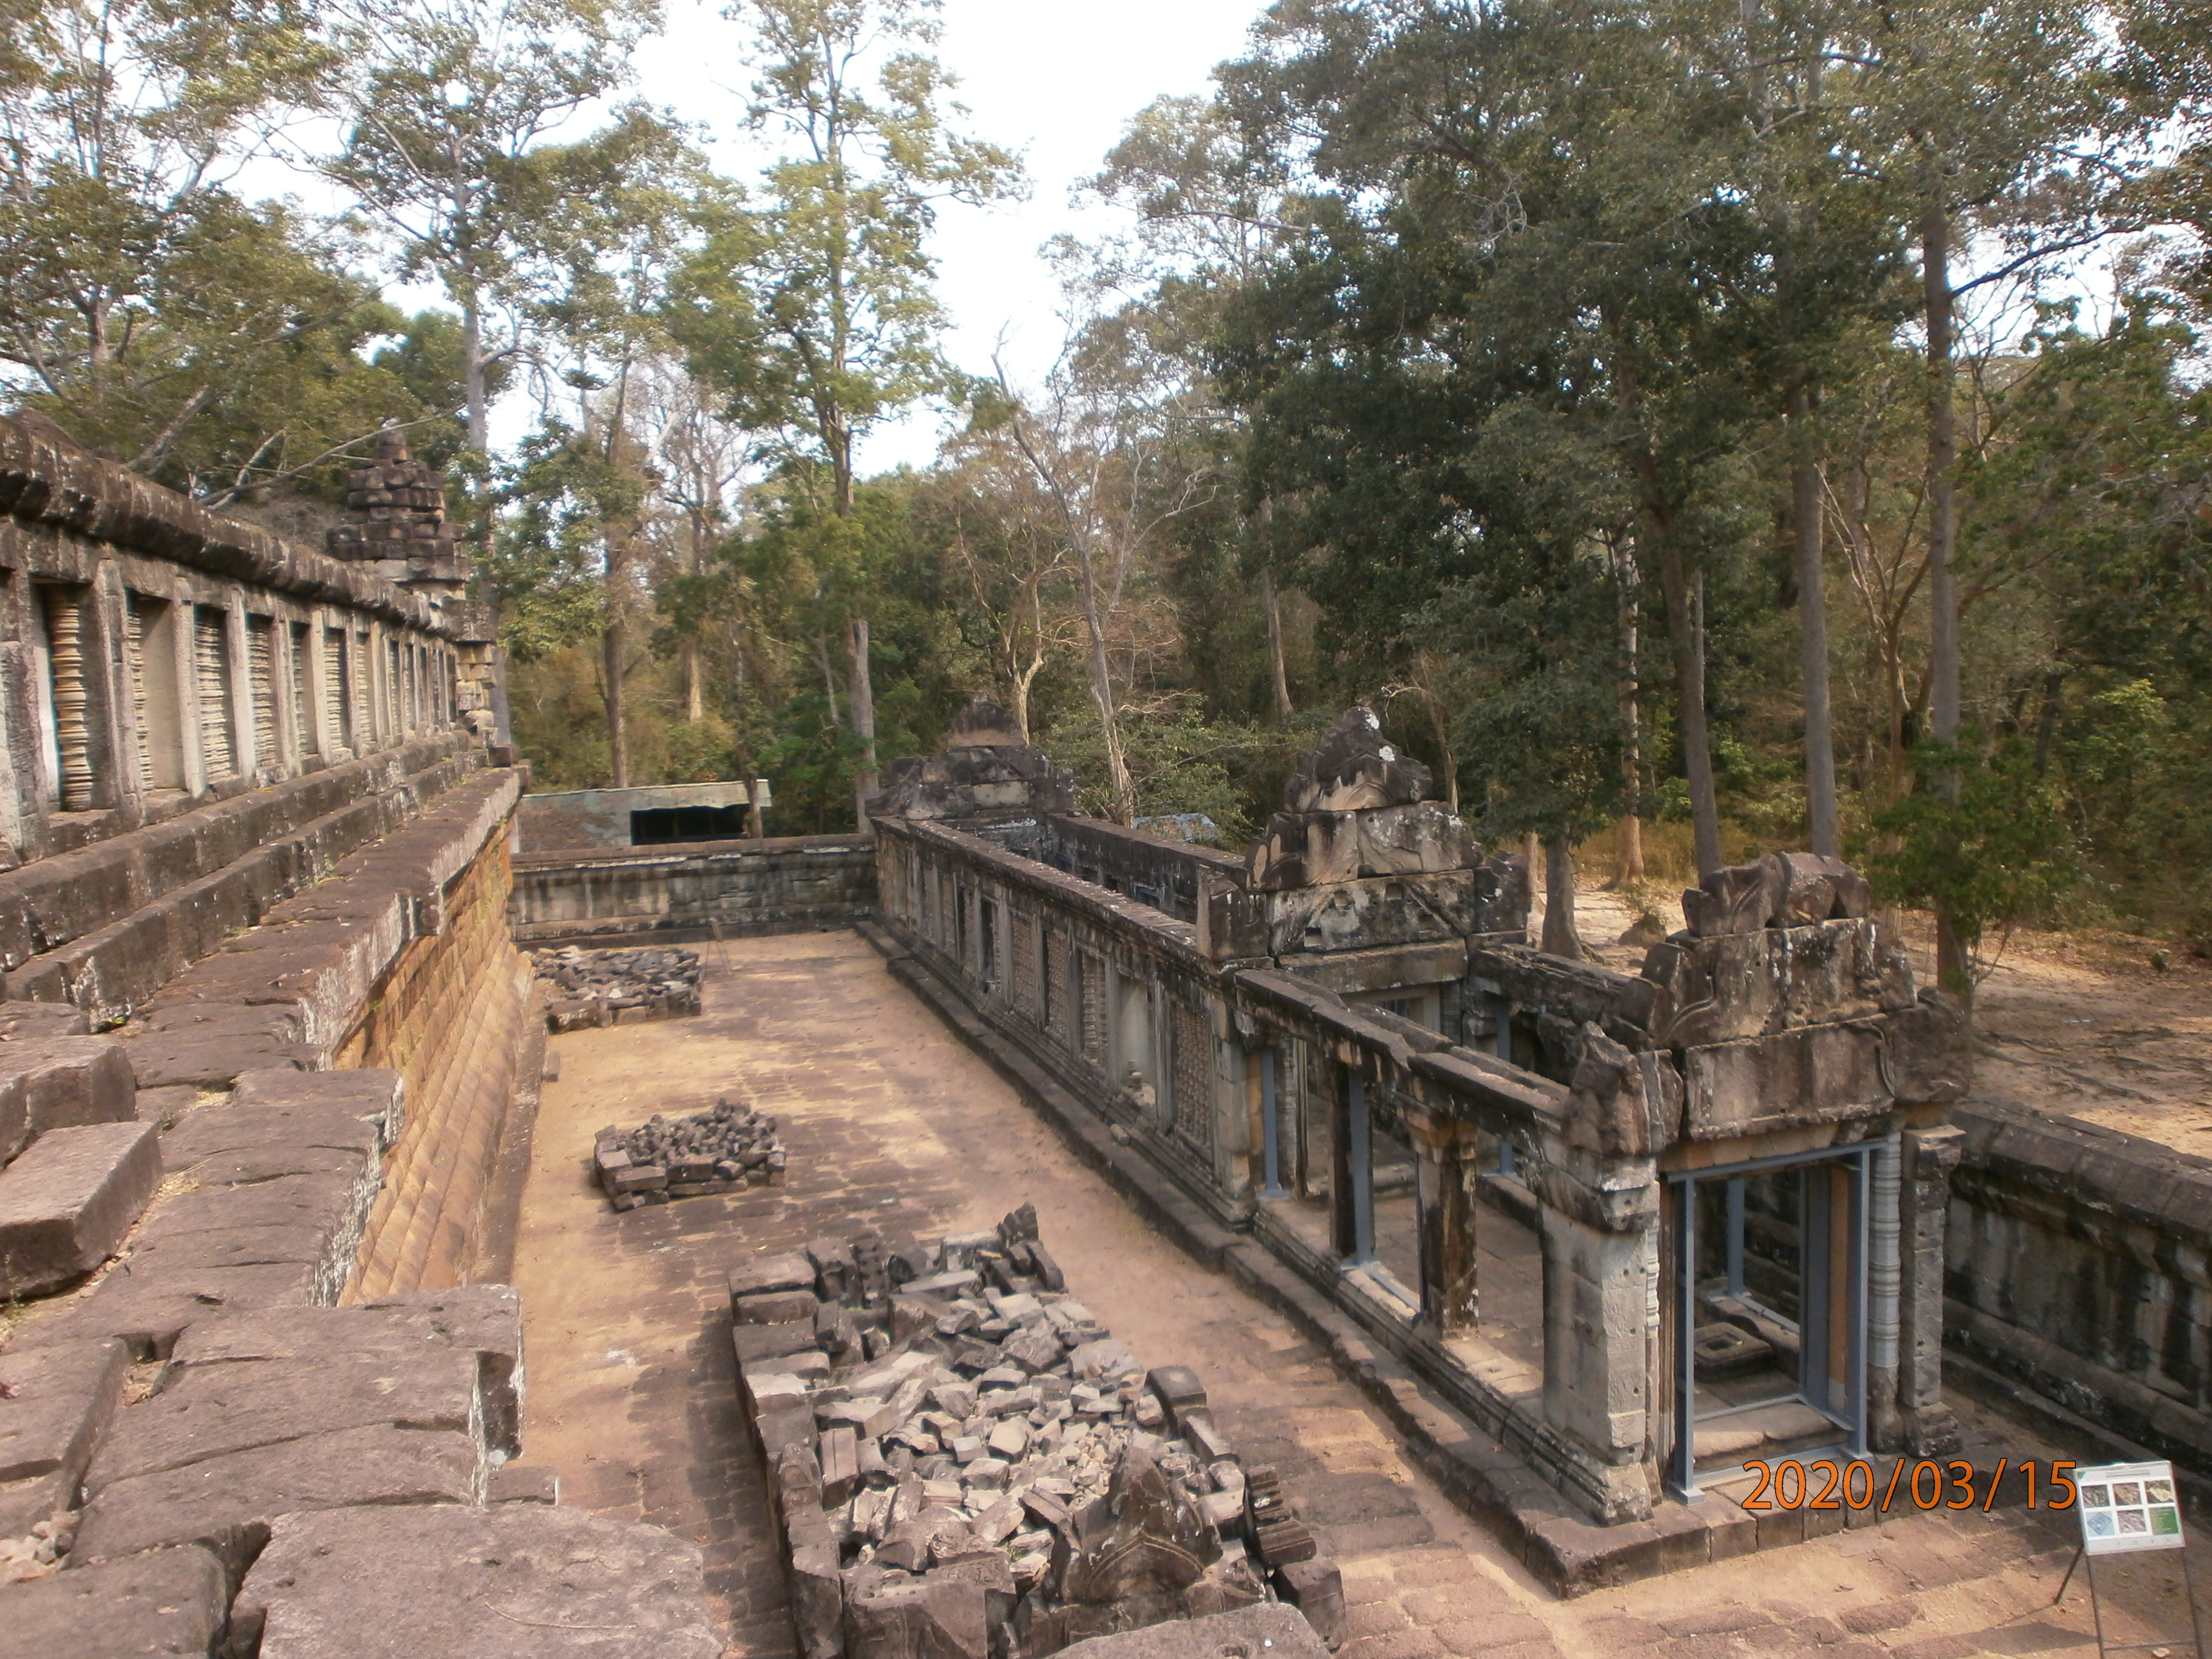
[(1124, 809), (474, 389), (618, 732), (695, 684), (1812, 626), (1277, 671), (1561, 938), (1628, 840), (1952, 969), (863, 700), (1282, 676), (829, 684)]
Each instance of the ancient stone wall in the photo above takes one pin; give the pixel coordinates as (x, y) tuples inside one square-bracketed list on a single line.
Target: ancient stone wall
[(1167, 875), (449, 1017), (783, 885), (2081, 1267)]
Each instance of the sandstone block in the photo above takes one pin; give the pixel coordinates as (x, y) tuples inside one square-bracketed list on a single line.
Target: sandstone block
[(71, 1081), (243, 1381), (529, 1581), (1269, 1628), (766, 1274), (67, 1203), (773, 1306), (167, 1602), (56, 1402), (1316, 1588), (228, 1504)]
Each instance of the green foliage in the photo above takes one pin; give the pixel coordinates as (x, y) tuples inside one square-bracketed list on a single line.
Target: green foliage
[(1179, 761), (1984, 838)]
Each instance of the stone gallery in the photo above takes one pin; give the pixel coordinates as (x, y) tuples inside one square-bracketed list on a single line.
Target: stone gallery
[(967, 1463), (270, 1059)]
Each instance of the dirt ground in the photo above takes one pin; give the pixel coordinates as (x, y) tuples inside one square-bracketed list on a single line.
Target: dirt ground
[(2083, 1025), (889, 1119)]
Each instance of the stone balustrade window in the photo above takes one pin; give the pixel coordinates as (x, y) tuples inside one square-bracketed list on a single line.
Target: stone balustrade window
[(211, 678), (149, 656)]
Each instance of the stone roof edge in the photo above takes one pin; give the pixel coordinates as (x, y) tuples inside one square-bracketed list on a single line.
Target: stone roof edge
[(46, 482)]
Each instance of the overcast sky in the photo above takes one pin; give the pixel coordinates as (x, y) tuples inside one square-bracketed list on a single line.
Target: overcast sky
[(1054, 79)]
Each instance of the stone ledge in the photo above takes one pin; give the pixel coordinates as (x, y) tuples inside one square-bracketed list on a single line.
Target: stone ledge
[(516, 1581), (67, 1203), (169, 1601), (274, 1188), (320, 955), (55, 902)]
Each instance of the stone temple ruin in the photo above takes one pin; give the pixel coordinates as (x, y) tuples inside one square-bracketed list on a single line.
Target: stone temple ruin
[(268, 1058), (967, 1463), (1633, 1228)]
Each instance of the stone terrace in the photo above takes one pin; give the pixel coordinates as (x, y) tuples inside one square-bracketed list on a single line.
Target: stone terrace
[(891, 1120)]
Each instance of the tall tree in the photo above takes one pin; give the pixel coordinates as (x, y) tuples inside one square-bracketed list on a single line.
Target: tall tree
[(837, 323), (216, 345), (444, 102)]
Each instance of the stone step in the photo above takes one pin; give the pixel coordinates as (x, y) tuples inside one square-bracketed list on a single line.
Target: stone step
[(516, 1581), (68, 1202), (50, 1079), (167, 1601)]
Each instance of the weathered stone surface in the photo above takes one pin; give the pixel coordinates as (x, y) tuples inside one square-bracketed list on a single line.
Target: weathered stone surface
[(1310, 848), (228, 1503), (67, 1202), (773, 1306), (984, 768), (1152, 1538), (1773, 979), (1783, 890), (1622, 1104), (71, 1081), (24, 1504), (53, 1403), (34, 1020), (150, 1312), (1370, 913), (375, 1095), (943, 1616), (531, 1581), (167, 1602), (238, 1382), (1931, 1052), (767, 1274), (1354, 767), (1271, 1629), (1816, 1074), (1316, 1588)]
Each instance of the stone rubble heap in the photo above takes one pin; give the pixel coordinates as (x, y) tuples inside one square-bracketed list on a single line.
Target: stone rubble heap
[(727, 1146), (968, 1465), (618, 987)]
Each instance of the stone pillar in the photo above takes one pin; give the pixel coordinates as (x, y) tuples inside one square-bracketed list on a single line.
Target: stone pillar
[(1923, 1208), (1598, 1351), (1446, 1167), (1343, 1232)]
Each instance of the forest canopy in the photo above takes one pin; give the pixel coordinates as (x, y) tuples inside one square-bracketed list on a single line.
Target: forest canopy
[(1697, 428)]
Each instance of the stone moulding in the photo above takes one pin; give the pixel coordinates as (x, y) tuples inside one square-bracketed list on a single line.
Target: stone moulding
[(47, 483)]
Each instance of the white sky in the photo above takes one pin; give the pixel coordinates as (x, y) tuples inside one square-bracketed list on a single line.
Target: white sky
[(1055, 80)]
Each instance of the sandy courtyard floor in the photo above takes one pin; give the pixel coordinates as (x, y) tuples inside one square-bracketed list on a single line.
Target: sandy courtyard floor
[(891, 1122)]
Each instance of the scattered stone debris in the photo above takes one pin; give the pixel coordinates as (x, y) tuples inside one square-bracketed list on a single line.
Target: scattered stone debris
[(618, 987), (39, 1551), (717, 1150), (967, 1464)]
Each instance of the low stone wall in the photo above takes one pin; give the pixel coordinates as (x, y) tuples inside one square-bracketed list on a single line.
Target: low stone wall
[(650, 895), (1168, 875), (2079, 1265)]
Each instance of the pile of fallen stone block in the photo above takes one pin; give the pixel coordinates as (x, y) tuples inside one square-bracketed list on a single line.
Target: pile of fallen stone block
[(966, 1462), (617, 987), (727, 1146)]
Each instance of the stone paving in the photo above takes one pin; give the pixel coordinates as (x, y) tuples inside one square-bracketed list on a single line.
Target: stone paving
[(889, 1119)]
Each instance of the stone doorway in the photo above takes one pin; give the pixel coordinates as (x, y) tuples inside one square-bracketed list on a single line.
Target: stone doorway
[(1769, 1313)]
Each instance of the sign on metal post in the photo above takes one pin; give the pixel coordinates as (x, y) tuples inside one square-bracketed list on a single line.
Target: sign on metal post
[(2125, 1509)]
